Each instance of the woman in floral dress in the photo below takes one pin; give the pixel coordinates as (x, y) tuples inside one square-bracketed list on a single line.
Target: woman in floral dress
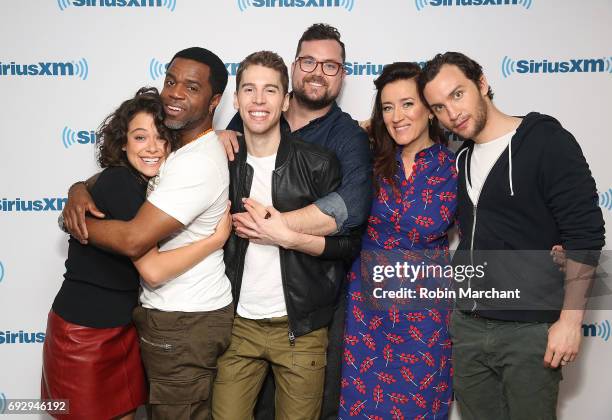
[(397, 352)]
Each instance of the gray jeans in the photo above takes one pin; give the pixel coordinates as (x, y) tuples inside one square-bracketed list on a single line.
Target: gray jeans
[(499, 371)]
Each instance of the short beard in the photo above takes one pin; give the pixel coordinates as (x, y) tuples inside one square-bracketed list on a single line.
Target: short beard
[(313, 104), (480, 119), (174, 125)]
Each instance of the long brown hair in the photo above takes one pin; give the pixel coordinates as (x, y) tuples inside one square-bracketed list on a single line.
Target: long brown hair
[(383, 146)]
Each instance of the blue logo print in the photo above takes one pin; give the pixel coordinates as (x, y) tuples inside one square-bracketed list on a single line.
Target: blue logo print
[(605, 199), (71, 137), (420, 4), (21, 337), (158, 69), (43, 204), (346, 4), (79, 69), (1, 272), (2, 402), (597, 330), (574, 65), (168, 4)]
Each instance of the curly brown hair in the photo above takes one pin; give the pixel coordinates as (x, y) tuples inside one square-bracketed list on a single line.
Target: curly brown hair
[(111, 136)]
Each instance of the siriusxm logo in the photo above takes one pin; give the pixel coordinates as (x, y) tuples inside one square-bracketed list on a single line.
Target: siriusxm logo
[(8, 337), (78, 69), (605, 199), (2, 403), (345, 4), (368, 68), (158, 69), (71, 137), (168, 4), (574, 65), (420, 4), (43, 204), (601, 330), (1, 272)]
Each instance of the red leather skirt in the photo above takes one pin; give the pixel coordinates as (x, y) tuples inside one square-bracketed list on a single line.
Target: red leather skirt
[(97, 369)]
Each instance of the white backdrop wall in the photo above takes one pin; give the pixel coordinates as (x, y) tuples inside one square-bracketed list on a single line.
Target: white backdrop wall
[(84, 57)]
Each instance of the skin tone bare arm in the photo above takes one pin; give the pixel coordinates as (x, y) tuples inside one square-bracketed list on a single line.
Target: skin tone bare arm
[(275, 230), (136, 237), (157, 267), (308, 220), (565, 335)]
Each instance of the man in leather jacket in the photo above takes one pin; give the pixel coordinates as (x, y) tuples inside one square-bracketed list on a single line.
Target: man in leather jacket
[(285, 283)]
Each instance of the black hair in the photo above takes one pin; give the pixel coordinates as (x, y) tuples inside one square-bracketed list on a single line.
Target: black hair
[(218, 72)]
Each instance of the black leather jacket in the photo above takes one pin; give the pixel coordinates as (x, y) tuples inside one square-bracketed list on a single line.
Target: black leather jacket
[(303, 173)]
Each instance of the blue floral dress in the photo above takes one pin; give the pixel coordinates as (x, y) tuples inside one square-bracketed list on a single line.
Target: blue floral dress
[(396, 362)]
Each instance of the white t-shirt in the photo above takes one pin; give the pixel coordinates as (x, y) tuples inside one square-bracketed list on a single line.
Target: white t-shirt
[(261, 293), (482, 160), (193, 187)]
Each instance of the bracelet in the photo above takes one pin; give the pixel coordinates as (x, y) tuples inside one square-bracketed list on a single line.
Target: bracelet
[(60, 223)]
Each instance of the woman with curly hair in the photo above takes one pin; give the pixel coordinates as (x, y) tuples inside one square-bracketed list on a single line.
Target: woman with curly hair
[(397, 351), (91, 353)]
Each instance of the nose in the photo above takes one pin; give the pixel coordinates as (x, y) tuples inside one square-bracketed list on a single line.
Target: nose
[(174, 91), (397, 114), (259, 96), (453, 113), (153, 145)]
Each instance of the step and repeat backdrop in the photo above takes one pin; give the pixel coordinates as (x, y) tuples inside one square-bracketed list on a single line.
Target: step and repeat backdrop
[(65, 64)]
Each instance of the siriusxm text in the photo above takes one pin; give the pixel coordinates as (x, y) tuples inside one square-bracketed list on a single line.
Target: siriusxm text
[(296, 3), (43, 204), (21, 337), (585, 65), (472, 2), (37, 69), (117, 3)]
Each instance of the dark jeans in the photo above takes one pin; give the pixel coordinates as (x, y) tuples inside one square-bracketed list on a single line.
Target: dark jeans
[(179, 352), (499, 371)]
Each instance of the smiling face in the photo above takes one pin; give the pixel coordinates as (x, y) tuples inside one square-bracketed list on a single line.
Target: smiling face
[(405, 115), (316, 90), (145, 149), (187, 97), (458, 103), (260, 99)]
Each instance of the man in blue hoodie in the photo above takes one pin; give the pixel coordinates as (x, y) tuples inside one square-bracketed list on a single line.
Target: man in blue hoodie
[(524, 186)]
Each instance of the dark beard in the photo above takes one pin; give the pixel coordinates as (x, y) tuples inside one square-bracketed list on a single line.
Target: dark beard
[(313, 104)]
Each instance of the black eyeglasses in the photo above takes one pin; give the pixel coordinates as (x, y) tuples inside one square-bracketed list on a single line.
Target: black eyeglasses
[(309, 64)]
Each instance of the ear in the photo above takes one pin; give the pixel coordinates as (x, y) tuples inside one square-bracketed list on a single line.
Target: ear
[(214, 102), (285, 102), (483, 85), (236, 107)]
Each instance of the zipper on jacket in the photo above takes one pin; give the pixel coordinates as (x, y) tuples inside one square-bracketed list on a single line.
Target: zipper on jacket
[(290, 332), (164, 346)]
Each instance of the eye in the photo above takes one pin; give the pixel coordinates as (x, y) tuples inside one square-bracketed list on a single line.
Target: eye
[(330, 66), (437, 108), (407, 104), (139, 138), (309, 61), (169, 82), (458, 94), (387, 108), (271, 90), (193, 88)]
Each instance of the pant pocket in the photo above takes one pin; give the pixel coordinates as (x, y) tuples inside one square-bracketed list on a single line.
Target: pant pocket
[(180, 392), (309, 374)]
